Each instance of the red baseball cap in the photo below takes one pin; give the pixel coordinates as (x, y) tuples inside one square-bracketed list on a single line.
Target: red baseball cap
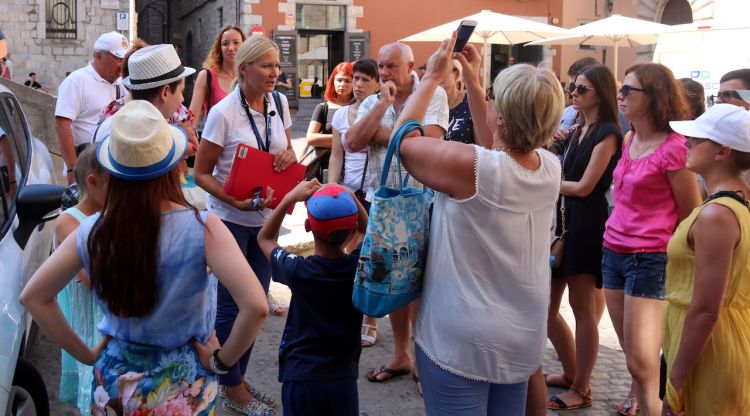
[(331, 208)]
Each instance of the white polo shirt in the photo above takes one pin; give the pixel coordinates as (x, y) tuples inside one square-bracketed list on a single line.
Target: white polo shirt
[(437, 114), (227, 126), (81, 98)]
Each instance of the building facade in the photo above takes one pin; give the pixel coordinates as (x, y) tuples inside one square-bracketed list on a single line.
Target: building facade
[(53, 37)]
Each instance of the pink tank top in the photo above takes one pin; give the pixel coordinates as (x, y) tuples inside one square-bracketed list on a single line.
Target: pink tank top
[(217, 94)]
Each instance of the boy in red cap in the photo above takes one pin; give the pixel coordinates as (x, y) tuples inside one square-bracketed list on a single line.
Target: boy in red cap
[(320, 347)]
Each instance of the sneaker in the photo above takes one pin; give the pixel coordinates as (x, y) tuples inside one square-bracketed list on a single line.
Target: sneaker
[(254, 408), (265, 398)]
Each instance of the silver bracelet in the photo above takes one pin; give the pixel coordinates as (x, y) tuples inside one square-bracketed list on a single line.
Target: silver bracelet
[(214, 367)]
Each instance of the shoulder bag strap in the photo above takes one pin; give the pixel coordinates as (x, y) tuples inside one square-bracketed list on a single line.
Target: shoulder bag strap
[(364, 172), (277, 101), (394, 147), (209, 89)]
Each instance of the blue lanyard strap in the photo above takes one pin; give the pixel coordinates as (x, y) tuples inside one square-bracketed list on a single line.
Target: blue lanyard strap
[(254, 126)]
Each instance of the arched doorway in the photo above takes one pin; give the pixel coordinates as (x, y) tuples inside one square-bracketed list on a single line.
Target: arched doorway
[(153, 22), (677, 12)]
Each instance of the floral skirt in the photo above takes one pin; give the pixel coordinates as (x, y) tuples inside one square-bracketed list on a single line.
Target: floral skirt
[(136, 380)]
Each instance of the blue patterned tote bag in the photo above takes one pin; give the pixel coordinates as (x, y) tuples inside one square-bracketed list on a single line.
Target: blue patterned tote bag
[(393, 254)]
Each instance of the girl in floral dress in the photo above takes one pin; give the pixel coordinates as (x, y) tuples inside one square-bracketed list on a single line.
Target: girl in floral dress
[(147, 257)]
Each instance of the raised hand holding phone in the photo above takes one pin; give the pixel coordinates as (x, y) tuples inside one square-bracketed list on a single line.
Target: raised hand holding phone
[(465, 30)]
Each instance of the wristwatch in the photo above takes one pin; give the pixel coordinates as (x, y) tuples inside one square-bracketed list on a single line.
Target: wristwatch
[(215, 364)]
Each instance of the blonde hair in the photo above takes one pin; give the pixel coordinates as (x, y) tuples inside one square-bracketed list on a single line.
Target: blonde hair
[(86, 164), (457, 65), (215, 59), (530, 102), (251, 50)]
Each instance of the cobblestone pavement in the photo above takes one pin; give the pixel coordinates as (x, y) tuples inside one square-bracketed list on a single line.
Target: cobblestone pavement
[(610, 381)]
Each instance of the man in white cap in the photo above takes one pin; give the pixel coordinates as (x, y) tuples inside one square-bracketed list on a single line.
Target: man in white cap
[(85, 93), (156, 75)]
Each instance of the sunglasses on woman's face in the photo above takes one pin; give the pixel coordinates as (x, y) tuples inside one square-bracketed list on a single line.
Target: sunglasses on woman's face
[(490, 94), (582, 89), (627, 89)]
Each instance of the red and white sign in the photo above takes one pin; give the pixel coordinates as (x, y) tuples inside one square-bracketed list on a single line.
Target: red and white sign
[(257, 30)]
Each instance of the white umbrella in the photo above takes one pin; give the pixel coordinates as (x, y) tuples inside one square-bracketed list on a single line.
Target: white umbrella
[(492, 28), (318, 54), (613, 31)]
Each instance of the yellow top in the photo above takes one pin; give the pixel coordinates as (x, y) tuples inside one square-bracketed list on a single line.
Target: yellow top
[(720, 382)]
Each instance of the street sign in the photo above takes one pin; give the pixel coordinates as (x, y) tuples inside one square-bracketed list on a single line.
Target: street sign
[(123, 21)]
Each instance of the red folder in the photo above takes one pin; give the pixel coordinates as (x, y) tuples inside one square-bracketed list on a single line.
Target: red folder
[(252, 168)]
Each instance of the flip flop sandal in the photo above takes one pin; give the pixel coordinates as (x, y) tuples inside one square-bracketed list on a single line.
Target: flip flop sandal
[(389, 372), (254, 408), (367, 339), (549, 383), (628, 407), (415, 377), (555, 403), (275, 309)]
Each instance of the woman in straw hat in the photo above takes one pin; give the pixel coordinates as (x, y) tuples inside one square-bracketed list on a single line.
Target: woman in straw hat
[(252, 116), (706, 335), (159, 353)]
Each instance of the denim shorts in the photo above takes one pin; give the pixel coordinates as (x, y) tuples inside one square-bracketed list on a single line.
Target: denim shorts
[(637, 274)]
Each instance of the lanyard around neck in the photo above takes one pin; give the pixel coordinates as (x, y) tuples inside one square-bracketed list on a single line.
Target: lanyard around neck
[(254, 126)]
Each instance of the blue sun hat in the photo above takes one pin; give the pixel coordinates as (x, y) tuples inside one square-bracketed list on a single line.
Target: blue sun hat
[(141, 145)]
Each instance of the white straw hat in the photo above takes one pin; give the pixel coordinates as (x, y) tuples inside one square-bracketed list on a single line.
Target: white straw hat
[(141, 145), (726, 124), (154, 66)]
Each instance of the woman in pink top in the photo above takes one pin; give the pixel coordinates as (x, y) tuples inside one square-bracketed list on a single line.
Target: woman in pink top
[(221, 63), (653, 192)]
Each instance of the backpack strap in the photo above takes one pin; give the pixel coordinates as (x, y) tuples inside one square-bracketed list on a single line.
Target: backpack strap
[(277, 102), (209, 89)]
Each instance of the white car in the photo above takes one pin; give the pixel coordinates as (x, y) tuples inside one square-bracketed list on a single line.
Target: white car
[(27, 200)]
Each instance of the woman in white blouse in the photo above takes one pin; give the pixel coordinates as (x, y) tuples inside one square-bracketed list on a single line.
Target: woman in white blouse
[(487, 284), (248, 115)]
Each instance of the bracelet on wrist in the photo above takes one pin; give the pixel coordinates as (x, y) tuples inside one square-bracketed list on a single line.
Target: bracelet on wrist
[(216, 365)]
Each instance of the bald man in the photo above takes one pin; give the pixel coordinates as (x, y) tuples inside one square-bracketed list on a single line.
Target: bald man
[(375, 121)]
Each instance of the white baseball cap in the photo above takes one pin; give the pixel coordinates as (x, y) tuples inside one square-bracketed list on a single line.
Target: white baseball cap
[(114, 43), (726, 124)]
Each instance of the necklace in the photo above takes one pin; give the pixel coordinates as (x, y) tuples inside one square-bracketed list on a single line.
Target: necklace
[(456, 100), (649, 148)]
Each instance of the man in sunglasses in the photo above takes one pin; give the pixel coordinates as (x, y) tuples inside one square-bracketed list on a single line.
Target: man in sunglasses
[(83, 95), (730, 83)]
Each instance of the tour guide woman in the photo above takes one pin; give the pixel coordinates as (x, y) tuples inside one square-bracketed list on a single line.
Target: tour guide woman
[(249, 116), (500, 204), (150, 281)]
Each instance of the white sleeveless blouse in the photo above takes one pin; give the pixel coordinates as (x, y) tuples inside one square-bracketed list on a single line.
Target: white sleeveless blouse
[(487, 280)]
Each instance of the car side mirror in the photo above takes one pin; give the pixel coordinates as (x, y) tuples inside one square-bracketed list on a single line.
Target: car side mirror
[(36, 204)]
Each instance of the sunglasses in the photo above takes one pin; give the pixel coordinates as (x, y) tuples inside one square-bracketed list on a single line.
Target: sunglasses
[(582, 89), (490, 95), (723, 97), (627, 89)]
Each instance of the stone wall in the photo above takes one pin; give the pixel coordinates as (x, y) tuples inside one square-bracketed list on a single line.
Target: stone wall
[(23, 23)]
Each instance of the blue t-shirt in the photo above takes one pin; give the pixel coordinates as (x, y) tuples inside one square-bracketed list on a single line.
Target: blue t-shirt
[(321, 340)]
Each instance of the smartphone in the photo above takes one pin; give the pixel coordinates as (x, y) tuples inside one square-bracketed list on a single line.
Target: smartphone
[(465, 29)]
